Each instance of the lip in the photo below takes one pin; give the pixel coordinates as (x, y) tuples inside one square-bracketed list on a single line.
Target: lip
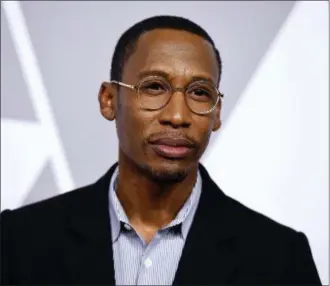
[(174, 148)]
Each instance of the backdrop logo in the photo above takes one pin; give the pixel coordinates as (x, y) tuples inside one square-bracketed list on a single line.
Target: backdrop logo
[(26, 147)]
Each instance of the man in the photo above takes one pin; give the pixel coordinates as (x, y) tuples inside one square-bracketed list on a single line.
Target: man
[(156, 217)]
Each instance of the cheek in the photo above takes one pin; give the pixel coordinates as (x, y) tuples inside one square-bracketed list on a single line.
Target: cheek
[(203, 134), (206, 137), (204, 127), (132, 128)]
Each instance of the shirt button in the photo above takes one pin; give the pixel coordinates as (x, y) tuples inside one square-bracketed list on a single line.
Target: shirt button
[(127, 226), (147, 263)]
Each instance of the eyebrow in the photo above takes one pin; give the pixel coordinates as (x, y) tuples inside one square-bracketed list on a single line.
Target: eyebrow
[(145, 73)]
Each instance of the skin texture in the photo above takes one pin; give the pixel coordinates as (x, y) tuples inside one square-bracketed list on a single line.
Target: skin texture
[(151, 188)]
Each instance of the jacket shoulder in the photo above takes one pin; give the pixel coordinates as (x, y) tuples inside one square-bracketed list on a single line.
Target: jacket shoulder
[(88, 196), (257, 222), (49, 209)]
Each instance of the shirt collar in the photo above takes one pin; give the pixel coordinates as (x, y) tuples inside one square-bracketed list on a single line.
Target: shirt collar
[(117, 213), (184, 218)]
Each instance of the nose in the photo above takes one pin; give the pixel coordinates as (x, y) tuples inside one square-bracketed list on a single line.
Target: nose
[(176, 112)]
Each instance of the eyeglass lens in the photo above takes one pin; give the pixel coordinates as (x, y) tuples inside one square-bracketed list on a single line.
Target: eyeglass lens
[(154, 93)]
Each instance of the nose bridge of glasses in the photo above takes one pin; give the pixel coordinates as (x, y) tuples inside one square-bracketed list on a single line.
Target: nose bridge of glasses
[(178, 89), (176, 100)]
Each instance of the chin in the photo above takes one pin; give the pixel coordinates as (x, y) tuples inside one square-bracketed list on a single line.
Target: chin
[(167, 172)]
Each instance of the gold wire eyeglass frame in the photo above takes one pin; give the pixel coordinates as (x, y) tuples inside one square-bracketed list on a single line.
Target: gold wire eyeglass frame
[(172, 90)]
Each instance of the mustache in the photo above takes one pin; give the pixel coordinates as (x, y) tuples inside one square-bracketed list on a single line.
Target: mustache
[(178, 135)]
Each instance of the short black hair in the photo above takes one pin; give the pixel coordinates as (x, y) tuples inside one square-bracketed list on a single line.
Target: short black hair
[(127, 43)]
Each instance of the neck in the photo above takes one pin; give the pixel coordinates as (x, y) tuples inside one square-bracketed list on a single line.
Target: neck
[(148, 202)]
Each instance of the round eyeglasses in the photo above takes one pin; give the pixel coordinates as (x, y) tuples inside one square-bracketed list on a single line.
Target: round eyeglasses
[(154, 93)]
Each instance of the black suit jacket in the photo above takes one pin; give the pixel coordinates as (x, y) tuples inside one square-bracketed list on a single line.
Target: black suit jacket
[(67, 240)]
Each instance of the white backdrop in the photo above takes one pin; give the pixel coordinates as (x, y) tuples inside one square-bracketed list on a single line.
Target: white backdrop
[(272, 152)]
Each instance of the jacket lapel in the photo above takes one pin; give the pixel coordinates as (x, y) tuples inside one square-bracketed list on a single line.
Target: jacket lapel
[(209, 253), (89, 256)]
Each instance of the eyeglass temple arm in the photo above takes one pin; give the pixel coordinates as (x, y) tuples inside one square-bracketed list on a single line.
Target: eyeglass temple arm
[(123, 84)]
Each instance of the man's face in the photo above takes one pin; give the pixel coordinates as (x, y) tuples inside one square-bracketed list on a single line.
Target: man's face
[(168, 142)]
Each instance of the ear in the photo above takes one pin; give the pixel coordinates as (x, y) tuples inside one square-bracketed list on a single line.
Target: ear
[(107, 98), (217, 122)]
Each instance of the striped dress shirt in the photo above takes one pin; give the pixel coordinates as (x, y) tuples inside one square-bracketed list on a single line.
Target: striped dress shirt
[(138, 263)]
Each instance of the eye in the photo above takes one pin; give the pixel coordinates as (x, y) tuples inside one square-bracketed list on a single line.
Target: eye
[(155, 86), (201, 92), (152, 87)]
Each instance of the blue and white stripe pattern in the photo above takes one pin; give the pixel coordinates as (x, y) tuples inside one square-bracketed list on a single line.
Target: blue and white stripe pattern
[(136, 263)]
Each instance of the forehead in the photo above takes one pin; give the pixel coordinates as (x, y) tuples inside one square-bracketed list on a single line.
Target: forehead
[(179, 54)]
